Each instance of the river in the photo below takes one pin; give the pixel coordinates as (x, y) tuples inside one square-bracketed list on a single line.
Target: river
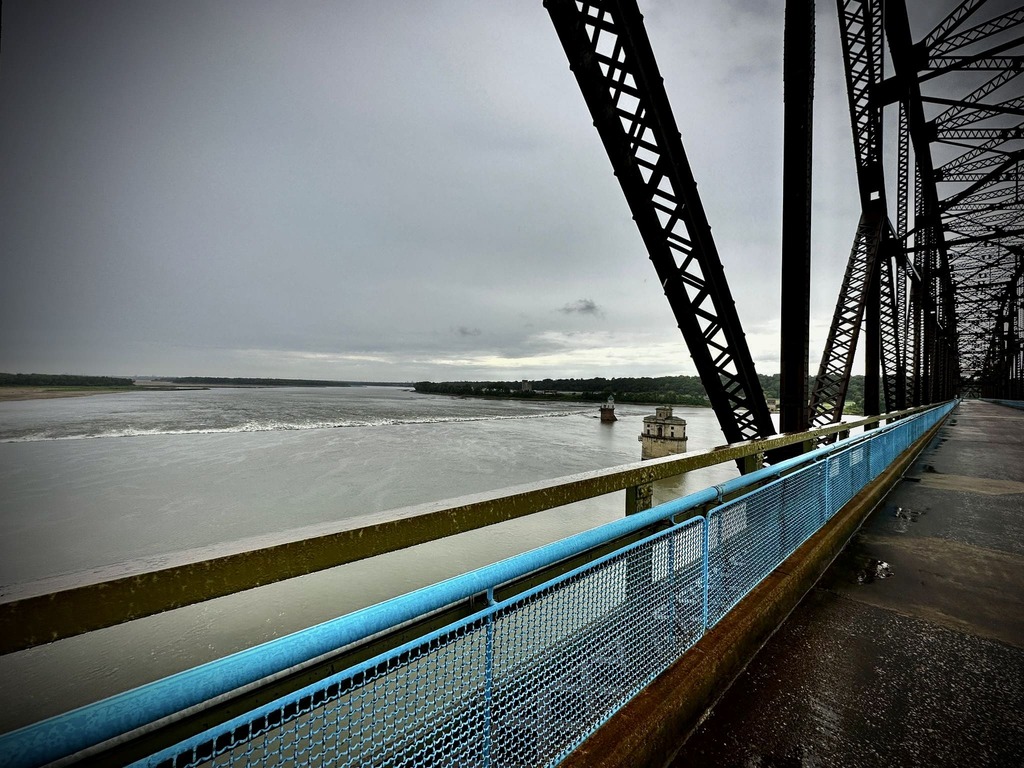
[(96, 482)]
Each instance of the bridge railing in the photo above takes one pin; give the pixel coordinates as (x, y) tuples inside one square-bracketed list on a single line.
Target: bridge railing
[(543, 647), (1018, 404)]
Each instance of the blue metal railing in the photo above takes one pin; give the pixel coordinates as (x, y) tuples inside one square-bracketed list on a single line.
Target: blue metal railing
[(524, 680)]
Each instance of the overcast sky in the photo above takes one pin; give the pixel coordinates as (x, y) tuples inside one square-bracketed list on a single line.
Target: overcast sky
[(378, 190)]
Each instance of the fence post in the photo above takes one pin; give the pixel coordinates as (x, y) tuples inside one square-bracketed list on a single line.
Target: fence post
[(752, 463), (673, 590), (489, 683), (828, 488), (639, 498), (705, 571)]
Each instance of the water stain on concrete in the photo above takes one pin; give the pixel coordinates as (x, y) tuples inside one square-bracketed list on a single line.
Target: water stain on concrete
[(985, 485), (904, 517), (960, 586)]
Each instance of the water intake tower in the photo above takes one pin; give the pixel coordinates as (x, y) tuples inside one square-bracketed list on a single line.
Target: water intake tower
[(663, 434)]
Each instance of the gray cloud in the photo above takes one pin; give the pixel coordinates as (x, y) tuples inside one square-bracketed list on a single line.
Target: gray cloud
[(329, 190), (582, 307)]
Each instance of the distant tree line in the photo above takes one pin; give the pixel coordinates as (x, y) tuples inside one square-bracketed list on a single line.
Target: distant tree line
[(61, 380), (770, 385), (669, 390), (679, 390), (247, 382)]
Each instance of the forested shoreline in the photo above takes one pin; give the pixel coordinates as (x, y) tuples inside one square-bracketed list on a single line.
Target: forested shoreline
[(61, 380), (669, 390)]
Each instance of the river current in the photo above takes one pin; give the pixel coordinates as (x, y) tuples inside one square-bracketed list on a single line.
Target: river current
[(92, 483)]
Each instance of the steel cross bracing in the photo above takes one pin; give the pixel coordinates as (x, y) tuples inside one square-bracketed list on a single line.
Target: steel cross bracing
[(860, 26), (610, 55), (960, 106), (828, 394), (966, 75)]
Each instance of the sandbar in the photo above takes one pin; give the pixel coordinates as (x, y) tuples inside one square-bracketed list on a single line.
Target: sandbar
[(42, 393)]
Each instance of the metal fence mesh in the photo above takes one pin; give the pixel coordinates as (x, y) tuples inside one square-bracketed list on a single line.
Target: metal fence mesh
[(750, 536), (526, 680), (423, 706), (522, 683)]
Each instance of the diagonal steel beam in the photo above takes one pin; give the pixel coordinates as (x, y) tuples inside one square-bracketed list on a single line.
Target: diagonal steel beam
[(953, 19), (991, 27), (828, 395), (610, 55)]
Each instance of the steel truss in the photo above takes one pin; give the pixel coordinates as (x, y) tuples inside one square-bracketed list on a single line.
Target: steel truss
[(610, 55), (828, 394), (958, 238), (867, 273), (938, 296), (965, 74)]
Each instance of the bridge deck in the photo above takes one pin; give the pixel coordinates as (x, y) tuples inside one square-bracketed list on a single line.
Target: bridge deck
[(925, 667)]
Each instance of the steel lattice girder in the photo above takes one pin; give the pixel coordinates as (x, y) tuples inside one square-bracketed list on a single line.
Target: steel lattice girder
[(981, 138), (860, 28), (861, 294), (828, 395), (610, 55), (963, 73), (894, 382), (980, 32)]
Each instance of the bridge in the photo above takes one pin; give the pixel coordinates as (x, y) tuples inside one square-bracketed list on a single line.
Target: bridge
[(611, 646)]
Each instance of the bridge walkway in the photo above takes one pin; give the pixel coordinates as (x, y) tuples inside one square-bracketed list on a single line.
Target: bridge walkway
[(910, 649)]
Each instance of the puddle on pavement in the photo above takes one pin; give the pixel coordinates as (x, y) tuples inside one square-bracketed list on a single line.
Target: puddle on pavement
[(874, 570), (904, 517)]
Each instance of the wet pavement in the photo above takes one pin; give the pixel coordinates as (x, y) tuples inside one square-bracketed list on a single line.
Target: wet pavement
[(910, 649)]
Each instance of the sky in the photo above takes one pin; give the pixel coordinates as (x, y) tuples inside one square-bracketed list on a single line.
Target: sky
[(379, 191)]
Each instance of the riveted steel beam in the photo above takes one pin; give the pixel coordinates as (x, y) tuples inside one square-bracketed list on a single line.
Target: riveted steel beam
[(610, 55), (828, 395), (795, 306)]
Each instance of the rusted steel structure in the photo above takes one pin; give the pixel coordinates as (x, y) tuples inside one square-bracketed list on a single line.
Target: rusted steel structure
[(934, 281)]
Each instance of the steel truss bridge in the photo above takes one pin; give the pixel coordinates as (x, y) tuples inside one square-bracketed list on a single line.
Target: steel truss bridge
[(517, 662), (934, 285)]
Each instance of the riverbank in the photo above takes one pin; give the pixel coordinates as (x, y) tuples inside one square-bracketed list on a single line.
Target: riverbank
[(44, 393), (488, 391)]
